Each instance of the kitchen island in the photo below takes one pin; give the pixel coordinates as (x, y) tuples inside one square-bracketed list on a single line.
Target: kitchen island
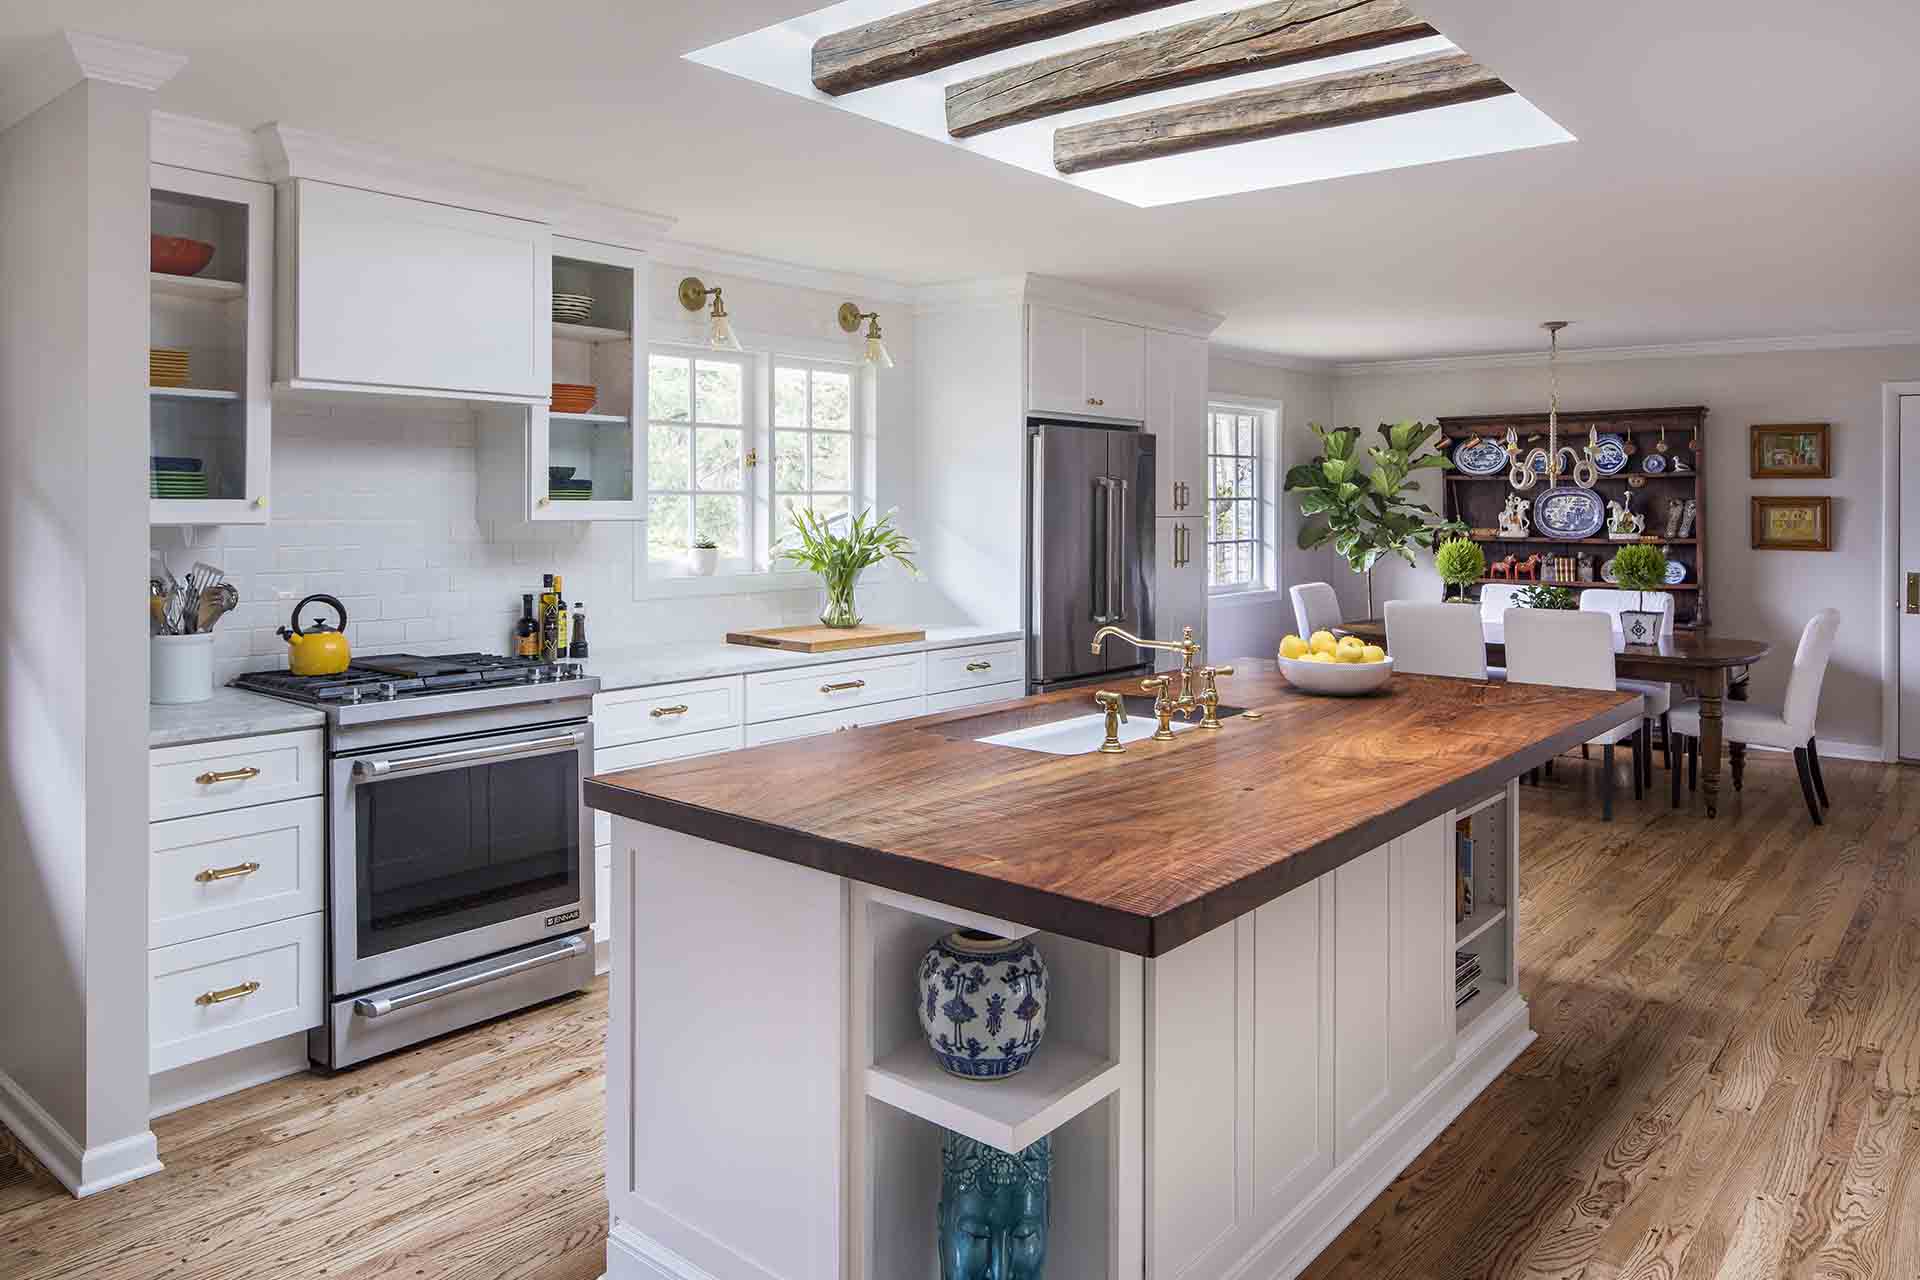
[(1250, 935)]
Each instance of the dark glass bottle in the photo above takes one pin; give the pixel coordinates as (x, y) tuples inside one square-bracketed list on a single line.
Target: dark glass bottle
[(577, 646), (526, 636)]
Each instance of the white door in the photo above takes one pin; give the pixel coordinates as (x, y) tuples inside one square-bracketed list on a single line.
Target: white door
[(1909, 577), (1179, 584)]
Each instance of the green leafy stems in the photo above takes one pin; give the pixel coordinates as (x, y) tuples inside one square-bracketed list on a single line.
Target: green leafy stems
[(839, 558), (1542, 596), (1368, 514)]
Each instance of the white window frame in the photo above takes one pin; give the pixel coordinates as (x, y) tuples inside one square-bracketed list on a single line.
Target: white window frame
[(1268, 468), (859, 490), (693, 355), (759, 571)]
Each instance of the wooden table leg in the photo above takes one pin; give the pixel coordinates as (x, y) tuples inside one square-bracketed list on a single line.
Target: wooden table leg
[(1737, 751), (1713, 691)]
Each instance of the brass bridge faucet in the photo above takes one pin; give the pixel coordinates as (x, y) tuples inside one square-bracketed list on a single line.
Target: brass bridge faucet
[(1199, 689)]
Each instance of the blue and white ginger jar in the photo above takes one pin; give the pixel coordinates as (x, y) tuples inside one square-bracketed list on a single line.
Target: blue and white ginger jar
[(983, 1003)]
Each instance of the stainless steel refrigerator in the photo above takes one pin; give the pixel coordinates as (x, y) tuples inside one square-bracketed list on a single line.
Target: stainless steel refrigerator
[(1090, 527)]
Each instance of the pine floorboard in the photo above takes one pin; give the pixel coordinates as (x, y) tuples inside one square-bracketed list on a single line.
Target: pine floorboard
[(1726, 1084)]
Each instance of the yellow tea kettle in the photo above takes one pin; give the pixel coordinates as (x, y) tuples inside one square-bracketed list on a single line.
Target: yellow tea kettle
[(319, 650)]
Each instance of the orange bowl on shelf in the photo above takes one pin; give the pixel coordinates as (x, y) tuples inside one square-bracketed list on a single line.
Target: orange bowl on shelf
[(180, 256), (574, 397)]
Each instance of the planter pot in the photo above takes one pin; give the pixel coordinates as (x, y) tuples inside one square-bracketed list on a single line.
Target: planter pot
[(1639, 626), (995, 1208), (181, 668), (702, 561), (982, 1003)]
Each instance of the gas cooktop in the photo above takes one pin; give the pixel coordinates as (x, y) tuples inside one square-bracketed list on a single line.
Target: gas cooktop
[(393, 677)]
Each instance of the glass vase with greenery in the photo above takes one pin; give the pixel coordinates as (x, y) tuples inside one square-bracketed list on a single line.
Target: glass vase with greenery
[(1369, 514), (840, 557), (1460, 563)]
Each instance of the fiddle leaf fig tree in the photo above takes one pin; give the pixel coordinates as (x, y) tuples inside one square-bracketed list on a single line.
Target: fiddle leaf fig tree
[(1370, 513)]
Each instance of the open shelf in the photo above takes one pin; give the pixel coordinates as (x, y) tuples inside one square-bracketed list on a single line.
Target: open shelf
[(1621, 476), (191, 393), (1467, 928), (589, 333), (1490, 991), (1579, 586), (1587, 542), (202, 288), (618, 418), (1012, 1113)]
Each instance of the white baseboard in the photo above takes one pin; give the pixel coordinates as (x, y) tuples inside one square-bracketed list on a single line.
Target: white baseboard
[(197, 1082), (82, 1170), (633, 1256)]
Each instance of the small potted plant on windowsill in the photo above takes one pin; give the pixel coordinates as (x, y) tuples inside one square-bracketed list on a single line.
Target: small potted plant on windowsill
[(1640, 567), (703, 557), (1460, 563)]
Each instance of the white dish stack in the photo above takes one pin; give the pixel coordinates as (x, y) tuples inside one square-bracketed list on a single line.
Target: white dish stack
[(573, 308)]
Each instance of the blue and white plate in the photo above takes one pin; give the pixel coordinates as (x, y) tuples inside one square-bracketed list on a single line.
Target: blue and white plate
[(1676, 573), (1480, 456), (1606, 573), (1568, 512), (1654, 463), (1610, 459)]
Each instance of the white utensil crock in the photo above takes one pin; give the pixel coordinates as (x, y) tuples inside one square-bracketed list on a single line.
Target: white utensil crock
[(182, 668)]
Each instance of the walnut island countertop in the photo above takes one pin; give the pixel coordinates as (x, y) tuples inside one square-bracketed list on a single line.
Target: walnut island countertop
[(1141, 851)]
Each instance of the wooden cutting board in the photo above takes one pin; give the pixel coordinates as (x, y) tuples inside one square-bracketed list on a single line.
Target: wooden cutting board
[(818, 639)]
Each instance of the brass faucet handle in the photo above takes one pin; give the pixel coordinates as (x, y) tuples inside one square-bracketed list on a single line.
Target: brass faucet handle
[(1163, 705), (1210, 696), (1116, 708)]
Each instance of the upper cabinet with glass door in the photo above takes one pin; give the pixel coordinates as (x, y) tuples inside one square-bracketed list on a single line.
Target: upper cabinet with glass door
[(209, 362)]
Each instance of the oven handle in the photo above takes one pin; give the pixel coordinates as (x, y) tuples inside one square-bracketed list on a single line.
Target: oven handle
[(381, 1006), (374, 770)]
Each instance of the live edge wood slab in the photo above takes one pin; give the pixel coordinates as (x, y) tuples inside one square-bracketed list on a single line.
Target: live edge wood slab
[(1142, 851)]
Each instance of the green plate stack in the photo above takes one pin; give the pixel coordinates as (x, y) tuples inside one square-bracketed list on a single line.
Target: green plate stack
[(178, 478)]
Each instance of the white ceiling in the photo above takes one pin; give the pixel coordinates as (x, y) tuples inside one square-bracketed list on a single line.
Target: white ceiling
[(1744, 170)]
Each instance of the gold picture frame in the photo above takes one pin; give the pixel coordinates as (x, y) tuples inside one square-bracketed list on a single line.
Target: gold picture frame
[(1793, 524), (1791, 451)]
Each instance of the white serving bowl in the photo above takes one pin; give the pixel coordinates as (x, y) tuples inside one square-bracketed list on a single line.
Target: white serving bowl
[(1340, 679)]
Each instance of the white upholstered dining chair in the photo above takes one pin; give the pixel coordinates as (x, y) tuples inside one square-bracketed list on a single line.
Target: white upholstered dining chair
[(1315, 608), (1574, 650), (1658, 693), (1789, 726), (1427, 638), (1495, 599)]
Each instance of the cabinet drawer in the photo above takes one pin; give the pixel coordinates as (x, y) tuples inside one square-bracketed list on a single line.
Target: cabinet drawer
[(200, 884), (638, 755), (832, 721), (665, 711), (775, 695), (954, 699), (201, 997), (206, 777), (975, 665)]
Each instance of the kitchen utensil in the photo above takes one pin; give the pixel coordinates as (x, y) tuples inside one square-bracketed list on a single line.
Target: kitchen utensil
[(218, 601), (178, 255), (317, 649)]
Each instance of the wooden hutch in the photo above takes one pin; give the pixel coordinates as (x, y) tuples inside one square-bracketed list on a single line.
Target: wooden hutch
[(1477, 500)]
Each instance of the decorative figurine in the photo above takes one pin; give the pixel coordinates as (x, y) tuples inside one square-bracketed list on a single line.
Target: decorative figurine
[(1528, 570), (1502, 569), (1516, 521), (1622, 524), (995, 1210), (1676, 509), (982, 1003), (1585, 567), (1686, 520)]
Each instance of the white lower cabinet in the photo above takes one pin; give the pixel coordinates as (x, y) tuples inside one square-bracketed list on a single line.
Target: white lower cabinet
[(218, 872), (232, 990), (759, 735), (799, 691), (958, 698)]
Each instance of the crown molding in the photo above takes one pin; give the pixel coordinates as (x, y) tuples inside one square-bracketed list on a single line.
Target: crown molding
[(189, 142), (699, 258), (60, 62), (1657, 351), (1270, 359), (1068, 295)]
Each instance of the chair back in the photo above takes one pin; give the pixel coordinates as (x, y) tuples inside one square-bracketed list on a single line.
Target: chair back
[(1802, 706), (1431, 639), (1495, 599), (1614, 603), (1572, 648), (1315, 608)]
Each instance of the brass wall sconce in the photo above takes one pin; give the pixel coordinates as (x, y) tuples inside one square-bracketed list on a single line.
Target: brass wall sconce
[(850, 316), (693, 296)]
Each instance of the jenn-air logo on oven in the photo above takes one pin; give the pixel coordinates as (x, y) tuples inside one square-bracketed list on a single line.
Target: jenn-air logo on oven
[(563, 917)]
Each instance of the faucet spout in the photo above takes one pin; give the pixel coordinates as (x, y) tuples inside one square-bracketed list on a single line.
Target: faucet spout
[(1100, 639)]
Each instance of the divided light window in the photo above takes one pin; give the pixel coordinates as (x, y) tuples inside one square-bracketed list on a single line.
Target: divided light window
[(813, 442), (1233, 499), (699, 423)]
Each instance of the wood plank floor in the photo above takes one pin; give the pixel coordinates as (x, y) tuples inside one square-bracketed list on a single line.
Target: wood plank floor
[(1726, 1083)]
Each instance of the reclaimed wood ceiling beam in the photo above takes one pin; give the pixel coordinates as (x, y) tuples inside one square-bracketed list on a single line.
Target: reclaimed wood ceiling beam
[(1226, 44), (948, 31), (1390, 89)]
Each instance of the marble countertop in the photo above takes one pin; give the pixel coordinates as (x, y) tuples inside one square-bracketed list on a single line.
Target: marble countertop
[(229, 713), (235, 713)]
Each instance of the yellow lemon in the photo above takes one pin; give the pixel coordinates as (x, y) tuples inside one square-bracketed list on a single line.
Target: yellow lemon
[(1373, 653), (1322, 655), (1322, 642), (1293, 647), (1351, 655), (1352, 642)]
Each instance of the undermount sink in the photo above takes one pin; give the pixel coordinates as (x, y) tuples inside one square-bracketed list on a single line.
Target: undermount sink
[(1078, 735)]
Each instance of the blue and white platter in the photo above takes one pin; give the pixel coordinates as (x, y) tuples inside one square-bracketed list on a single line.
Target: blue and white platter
[(1610, 459), (1676, 573), (1568, 512), (1654, 464), (1480, 456)]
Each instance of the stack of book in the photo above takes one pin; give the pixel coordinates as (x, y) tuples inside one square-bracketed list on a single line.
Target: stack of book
[(1466, 977)]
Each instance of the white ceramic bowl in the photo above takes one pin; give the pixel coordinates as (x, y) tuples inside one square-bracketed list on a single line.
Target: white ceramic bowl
[(1341, 679)]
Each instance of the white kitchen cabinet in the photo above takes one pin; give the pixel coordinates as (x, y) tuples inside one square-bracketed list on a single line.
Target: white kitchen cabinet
[(1179, 584), (233, 990), (796, 691), (759, 735), (1423, 1021), (388, 294), (1084, 366), (1176, 415)]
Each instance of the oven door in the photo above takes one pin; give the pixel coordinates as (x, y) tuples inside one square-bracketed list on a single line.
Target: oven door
[(446, 852)]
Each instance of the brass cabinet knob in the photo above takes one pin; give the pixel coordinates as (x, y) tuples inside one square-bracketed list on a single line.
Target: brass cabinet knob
[(1095, 402)]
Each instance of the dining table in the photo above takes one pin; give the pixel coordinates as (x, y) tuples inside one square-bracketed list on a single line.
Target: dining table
[(1701, 661)]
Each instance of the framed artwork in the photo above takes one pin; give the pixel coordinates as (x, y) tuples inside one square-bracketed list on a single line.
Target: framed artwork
[(1793, 524), (1791, 451)]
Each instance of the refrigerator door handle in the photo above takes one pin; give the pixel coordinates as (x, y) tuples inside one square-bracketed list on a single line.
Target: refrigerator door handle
[(1116, 542), (1102, 536)]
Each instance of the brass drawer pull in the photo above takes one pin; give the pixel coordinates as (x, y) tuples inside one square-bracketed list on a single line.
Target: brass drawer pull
[(679, 710), (206, 998), (842, 686), (979, 666), (227, 873), (212, 776)]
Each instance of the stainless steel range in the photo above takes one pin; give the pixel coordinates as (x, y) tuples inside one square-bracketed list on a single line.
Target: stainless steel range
[(459, 872)]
